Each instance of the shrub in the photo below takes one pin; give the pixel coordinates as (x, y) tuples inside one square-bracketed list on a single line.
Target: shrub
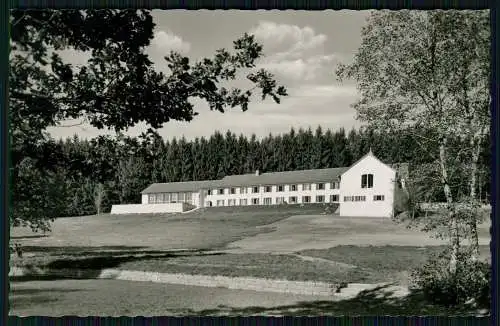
[(470, 282), (331, 208)]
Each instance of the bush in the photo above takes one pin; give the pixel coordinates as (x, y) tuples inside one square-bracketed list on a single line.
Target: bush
[(471, 282), (331, 208)]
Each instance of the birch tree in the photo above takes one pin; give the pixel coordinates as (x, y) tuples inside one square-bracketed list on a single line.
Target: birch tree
[(428, 70), (99, 194)]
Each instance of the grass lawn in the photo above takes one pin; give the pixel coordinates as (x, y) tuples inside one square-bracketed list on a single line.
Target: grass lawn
[(253, 265), (349, 264), (307, 246), (385, 258), (152, 240), (122, 298), (118, 235), (202, 229)]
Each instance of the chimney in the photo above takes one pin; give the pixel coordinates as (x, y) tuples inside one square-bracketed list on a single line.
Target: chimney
[(257, 173)]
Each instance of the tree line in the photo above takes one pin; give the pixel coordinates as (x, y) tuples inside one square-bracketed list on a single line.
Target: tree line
[(89, 176)]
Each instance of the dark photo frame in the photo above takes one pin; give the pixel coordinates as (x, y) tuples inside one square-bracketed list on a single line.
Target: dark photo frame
[(5, 143)]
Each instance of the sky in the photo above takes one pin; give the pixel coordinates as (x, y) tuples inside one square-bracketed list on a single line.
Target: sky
[(301, 48)]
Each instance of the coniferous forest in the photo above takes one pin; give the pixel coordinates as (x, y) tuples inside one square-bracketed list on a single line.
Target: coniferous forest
[(87, 174)]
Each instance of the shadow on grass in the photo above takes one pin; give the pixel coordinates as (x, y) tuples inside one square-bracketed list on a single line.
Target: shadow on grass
[(79, 250), (376, 302), (40, 291), (90, 267), (34, 236), (24, 298)]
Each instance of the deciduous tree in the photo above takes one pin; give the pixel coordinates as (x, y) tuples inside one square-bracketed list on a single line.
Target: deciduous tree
[(428, 70)]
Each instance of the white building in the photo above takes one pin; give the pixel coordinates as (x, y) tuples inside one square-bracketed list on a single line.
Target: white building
[(366, 188)]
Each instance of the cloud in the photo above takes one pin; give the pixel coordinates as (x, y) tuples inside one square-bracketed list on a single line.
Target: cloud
[(287, 40), (168, 41), (294, 53), (304, 69)]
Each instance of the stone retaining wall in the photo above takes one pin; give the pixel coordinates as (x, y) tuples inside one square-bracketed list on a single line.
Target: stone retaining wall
[(236, 283)]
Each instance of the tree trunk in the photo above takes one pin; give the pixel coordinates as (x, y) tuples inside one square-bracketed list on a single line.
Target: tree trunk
[(452, 218), (476, 145)]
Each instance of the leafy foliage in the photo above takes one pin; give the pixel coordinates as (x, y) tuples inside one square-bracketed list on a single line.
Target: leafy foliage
[(116, 89), (429, 70), (471, 282)]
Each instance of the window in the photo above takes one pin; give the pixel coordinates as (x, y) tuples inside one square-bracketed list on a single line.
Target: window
[(367, 181), (293, 187), (320, 199), (358, 198), (220, 191), (181, 197), (280, 200), (334, 185), (306, 186), (174, 197), (267, 201), (347, 198), (268, 189), (220, 202), (151, 198), (292, 200), (167, 197), (233, 191), (255, 201), (378, 198), (334, 198), (306, 199), (243, 202), (320, 186), (281, 188), (188, 196), (255, 190), (231, 202), (209, 192)]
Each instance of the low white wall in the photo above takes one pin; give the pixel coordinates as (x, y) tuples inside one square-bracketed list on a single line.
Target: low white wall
[(148, 208)]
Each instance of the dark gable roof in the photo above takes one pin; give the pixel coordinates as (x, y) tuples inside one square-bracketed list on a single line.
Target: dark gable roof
[(287, 177), (188, 186), (271, 178)]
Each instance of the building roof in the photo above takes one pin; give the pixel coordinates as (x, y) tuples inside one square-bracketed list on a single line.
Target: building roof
[(188, 186), (287, 177), (271, 178)]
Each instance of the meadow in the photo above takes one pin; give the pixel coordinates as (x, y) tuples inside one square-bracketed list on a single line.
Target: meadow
[(281, 242)]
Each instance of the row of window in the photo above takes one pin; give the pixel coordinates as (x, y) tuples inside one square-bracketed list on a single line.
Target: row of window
[(174, 197), (279, 188), (269, 200), (363, 198)]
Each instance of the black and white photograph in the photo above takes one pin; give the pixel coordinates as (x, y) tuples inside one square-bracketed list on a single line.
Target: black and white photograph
[(241, 163)]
